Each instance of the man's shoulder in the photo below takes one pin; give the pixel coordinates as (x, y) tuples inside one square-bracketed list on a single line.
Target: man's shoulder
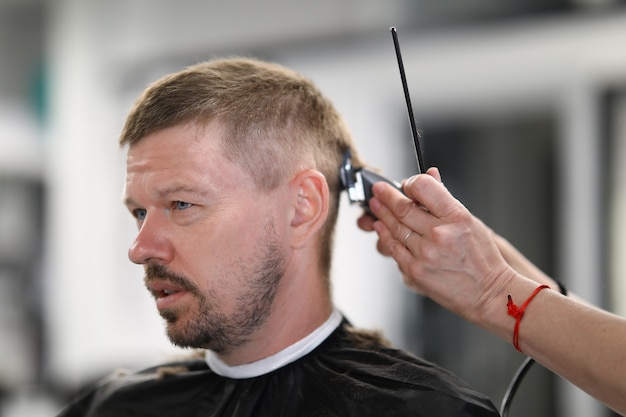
[(371, 348), (365, 365), (150, 387)]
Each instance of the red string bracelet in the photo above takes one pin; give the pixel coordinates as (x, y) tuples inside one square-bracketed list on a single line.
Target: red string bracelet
[(518, 312)]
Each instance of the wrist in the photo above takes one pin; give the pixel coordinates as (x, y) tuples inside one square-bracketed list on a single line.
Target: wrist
[(496, 316), (517, 312)]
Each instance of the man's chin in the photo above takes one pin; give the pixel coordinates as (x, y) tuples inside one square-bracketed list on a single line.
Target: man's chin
[(181, 335), (169, 316), (180, 340), (176, 330)]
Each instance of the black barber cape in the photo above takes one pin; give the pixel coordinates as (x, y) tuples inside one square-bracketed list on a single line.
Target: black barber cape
[(350, 373)]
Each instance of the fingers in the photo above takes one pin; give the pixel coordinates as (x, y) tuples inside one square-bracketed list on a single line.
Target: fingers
[(366, 222), (395, 238), (406, 237), (433, 195), (394, 196), (434, 172), (389, 245), (403, 219), (399, 213)]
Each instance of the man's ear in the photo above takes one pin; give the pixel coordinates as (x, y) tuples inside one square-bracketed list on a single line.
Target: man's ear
[(311, 201)]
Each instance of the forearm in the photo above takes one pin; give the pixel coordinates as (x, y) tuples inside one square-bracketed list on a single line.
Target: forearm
[(581, 343), (526, 268)]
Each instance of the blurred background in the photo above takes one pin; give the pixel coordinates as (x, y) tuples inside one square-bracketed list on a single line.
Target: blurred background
[(521, 103)]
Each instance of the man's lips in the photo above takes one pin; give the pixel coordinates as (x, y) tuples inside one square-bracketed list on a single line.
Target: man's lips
[(163, 289), (165, 293)]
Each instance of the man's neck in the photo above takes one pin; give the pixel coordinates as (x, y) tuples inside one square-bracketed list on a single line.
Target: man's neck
[(301, 305), (279, 359), (277, 334)]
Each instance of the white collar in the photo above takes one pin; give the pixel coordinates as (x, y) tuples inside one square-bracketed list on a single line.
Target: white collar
[(277, 360)]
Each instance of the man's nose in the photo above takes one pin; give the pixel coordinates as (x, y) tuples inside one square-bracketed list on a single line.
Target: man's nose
[(151, 243)]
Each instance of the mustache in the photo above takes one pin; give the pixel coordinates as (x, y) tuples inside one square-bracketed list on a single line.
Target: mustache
[(161, 273)]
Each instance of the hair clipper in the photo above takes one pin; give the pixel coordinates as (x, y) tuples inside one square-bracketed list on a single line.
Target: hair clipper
[(358, 183)]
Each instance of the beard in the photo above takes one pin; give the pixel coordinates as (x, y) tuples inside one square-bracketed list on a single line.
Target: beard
[(213, 329)]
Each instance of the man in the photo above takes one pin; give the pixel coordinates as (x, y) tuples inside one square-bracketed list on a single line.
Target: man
[(233, 179)]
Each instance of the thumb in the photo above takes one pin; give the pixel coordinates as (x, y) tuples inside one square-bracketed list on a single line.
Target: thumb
[(434, 172), (427, 190)]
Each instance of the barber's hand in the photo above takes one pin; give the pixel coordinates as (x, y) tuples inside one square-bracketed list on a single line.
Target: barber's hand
[(442, 250), (366, 221)]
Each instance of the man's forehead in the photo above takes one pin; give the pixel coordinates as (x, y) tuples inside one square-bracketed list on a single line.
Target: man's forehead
[(186, 158), (163, 187), (177, 141)]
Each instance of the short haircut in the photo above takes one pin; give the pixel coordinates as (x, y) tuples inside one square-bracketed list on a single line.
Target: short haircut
[(275, 123)]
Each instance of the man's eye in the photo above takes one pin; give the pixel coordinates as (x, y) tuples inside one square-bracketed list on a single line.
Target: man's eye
[(140, 214), (182, 205)]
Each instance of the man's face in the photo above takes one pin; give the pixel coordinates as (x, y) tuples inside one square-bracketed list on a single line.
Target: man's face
[(211, 243)]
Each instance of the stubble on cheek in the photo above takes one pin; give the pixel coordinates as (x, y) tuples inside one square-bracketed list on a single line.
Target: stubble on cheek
[(208, 321)]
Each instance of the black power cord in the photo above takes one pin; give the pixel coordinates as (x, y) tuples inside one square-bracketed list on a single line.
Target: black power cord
[(515, 382)]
